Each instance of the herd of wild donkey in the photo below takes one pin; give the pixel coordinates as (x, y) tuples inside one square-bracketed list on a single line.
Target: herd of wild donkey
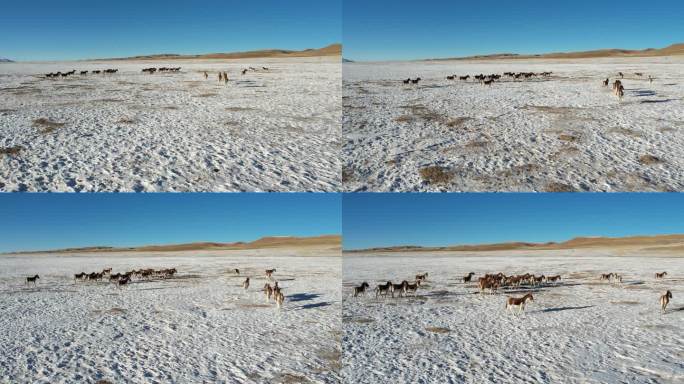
[(120, 279), (618, 88), (490, 284), (222, 75)]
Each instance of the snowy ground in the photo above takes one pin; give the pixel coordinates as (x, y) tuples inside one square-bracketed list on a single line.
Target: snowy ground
[(198, 327), (275, 130), (565, 132), (581, 331)]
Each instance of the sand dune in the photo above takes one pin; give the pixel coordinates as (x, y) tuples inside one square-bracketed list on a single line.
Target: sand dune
[(330, 50), (270, 242), (646, 243)]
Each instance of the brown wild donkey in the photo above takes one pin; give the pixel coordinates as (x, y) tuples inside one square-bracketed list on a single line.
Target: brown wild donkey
[(518, 302), (665, 300)]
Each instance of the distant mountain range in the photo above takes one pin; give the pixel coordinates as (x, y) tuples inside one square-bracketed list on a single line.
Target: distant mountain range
[(674, 243), (330, 50), (271, 242), (672, 50), (3, 60)]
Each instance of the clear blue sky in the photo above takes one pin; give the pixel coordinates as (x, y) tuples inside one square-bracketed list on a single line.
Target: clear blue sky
[(408, 29), (77, 29), (48, 221), (429, 219)]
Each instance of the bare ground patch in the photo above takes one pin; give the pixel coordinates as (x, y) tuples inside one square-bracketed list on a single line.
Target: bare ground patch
[(437, 330), (569, 138), (207, 94), (520, 170), (650, 160), (289, 378), (46, 125), (11, 151), (360, 320), (127, 120), (626, 132), (254, 306), (565, 152), (436, 175), (625, 302), (239, 109), (559, 187)]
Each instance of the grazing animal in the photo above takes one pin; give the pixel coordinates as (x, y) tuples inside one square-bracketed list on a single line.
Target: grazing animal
[(245, 284), (464, 78), (84, 72), (407, 81), (124, 280), (32, 279), (660, 275), (416, 80), (467, 278), (206, 75), (237, 271), (423, 276), (606, 276), (488, 82), (412, 288), (264, 68), (518, 302), (269, 273), (553, 278), (451, 77), (225, 78), (279, 298), (622, 76), (399, 287), (268, 291), (220, 77), (620, 92), (665, 300), (606, 81), (80, 276), (383, 289), (244, 71), (361, 289), (107, 271), (638, 74)]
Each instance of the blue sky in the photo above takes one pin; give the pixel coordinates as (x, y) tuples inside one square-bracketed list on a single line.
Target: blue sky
[(48, 221), (408, 29), (78, 29), (371, 219)]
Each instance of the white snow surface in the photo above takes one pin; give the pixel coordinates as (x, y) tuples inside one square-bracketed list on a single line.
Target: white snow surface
[(580, 331), (275, 130), (197, 327), (564, 132)]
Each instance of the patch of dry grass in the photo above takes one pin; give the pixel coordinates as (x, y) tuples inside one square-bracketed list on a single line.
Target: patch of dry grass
[(457, 122), (11, 151), (437, 330), (436, 175), (46, 125), (238, 109), (627, 132), (347, 174), (520, 170), (207, 94), (649, 160), (559, 187)]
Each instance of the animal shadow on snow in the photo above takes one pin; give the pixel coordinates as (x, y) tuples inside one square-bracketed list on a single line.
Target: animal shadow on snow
[(558, 309), (302, 297), (643, 92), (315, 305)]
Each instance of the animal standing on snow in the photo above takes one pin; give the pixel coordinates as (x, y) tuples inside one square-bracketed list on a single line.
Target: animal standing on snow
[(665, 300), (518, 302)]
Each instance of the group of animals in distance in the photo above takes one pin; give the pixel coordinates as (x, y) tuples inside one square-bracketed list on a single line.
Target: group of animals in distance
[(618, 87), (120, 279), (490, 283), (270, 292), (222, 75)]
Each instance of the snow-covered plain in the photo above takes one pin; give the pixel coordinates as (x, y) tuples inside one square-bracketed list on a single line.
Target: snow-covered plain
[(580, 331), (197, 327), (275, 130), (564, 132)]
